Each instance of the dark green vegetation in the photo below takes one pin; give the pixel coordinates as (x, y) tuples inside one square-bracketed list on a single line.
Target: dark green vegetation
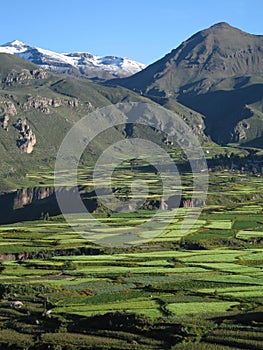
[(217, 72)]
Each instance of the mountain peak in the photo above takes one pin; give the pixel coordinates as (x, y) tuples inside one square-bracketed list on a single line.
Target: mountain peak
[(16, 43), (225, 29), (216, 72), (221, 25), (212, 54), (14, 47)]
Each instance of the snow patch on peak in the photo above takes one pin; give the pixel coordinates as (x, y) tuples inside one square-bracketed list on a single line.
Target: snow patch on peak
[(78, 63), (14, 47), (16, 43)]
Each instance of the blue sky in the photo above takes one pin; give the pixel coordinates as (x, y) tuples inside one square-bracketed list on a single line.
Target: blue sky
[(144, 30)]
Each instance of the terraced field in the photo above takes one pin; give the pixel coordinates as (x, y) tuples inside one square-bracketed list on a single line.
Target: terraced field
[(201, 287)]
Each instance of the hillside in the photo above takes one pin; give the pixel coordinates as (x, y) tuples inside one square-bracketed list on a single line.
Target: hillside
[(218, 73), (50, 104), (37, 108)]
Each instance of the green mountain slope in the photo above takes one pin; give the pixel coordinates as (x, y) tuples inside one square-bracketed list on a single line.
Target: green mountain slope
[(218, 72), (50, 104), (37, 108)]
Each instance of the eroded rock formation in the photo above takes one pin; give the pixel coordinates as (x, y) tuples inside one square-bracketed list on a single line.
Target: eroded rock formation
[(43, 103), (7, 107), (23, 76), (27, 139), (5, 121), (27, 196)]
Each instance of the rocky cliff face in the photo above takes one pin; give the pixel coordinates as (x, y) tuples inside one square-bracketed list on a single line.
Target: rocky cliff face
[(7, 107), (28, 196), (27, 204), (27, 139), (5, 121), (32, 203)]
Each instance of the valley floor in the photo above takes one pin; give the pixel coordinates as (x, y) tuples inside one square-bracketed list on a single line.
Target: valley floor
[(202, 290)]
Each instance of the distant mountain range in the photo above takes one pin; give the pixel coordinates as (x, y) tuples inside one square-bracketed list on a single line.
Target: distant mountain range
[(218, 72), (213, 81), (79, 64)]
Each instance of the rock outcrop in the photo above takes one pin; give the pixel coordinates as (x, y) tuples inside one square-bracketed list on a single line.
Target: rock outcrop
[(43, 104), (27, 139), (27, 196), (5, 121), (7, 107), (24, 76), (240, 131), (192, 203)]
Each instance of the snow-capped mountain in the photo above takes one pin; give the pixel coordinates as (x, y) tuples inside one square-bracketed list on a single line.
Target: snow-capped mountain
[(78, 64)]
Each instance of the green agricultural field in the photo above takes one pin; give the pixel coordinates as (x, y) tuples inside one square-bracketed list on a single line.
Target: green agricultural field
[(200, 308), (220, 224), (181, 283), (247, 235)]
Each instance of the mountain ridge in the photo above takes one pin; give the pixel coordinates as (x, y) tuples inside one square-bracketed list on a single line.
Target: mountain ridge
[(192, 56), (203, 73), (82, 64)]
